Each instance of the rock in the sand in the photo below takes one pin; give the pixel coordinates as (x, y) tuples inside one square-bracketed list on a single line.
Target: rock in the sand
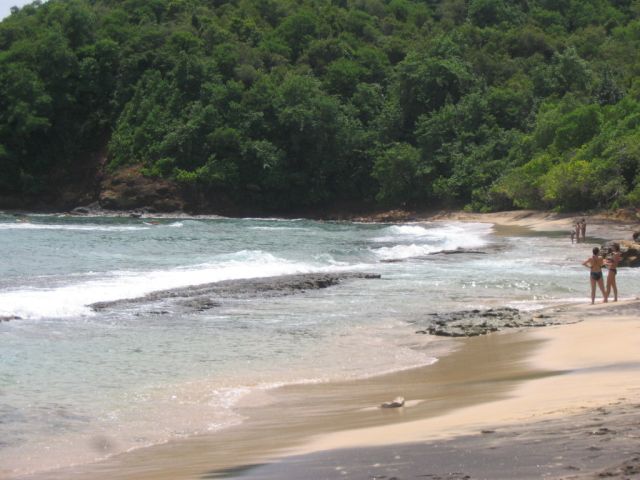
[(395, 403), (471, 323)]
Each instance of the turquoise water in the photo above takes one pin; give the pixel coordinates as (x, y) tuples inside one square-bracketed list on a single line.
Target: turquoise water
[(78, 385)]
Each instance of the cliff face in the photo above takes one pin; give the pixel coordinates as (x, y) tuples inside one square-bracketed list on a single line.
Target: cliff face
[(128, 189)]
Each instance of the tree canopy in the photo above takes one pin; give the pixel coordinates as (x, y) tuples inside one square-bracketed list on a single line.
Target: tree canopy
[(488, 104)]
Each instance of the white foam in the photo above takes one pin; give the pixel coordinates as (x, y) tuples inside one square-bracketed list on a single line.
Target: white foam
[(72, 300), (280, 229), (46, 226), (431, 239)]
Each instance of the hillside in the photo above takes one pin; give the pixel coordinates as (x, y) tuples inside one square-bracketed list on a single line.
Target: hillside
[(274, 105)]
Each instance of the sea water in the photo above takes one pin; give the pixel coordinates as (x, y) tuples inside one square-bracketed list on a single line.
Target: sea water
[(78, 385)]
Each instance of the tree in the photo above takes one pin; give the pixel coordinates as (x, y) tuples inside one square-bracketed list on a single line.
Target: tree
[(397, 170)]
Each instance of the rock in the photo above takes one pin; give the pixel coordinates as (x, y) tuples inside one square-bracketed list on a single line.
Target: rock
[(471, 323), (458, 250), (80, 211), (7, 318), (207, 296), (395, 403), (629, 249), (128, 189)]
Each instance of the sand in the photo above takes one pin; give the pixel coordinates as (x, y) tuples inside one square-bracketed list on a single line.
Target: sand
[(560, 401), (599, 226)]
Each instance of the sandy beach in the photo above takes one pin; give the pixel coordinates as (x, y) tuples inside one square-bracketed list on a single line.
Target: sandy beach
[(561, 401)]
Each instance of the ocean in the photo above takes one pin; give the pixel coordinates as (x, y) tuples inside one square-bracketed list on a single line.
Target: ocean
[(80, 383)]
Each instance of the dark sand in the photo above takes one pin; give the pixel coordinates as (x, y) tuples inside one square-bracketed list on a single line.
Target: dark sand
[(599, 443)]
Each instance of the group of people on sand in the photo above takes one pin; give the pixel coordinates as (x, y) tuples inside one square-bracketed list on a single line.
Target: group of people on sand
[(596, 263), (579, 231)]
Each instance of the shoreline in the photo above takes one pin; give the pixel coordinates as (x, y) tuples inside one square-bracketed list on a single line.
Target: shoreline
[(282, 418), (196, 453), (487, 383), (603, 225)]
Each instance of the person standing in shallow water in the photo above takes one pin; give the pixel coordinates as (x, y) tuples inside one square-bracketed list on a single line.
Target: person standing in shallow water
[(583, 229), (612, 267), (595, 264)]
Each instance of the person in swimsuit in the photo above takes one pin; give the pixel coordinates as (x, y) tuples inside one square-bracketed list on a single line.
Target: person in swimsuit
[(595, 264), (612, 265), (583, 229), (576, 227)]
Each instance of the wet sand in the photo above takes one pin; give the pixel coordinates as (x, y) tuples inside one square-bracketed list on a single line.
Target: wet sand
[(516, 383), (599, 443), (581, 422), (481, 369)]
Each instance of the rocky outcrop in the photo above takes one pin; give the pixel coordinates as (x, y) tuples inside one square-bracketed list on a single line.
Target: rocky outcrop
[(7, 318), (212, 295), (471, 323), (629, 249), (129, 189)]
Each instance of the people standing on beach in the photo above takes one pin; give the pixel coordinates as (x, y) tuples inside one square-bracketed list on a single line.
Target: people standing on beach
[(595, 264), (583, 229), (612, 266)]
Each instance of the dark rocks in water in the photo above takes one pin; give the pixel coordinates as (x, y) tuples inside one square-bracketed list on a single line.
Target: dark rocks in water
[(93, 208), (200, 304), (441, 252), (630, 251), (470, 323), (458, 250), (7, 318), (80, 211), (210, 295)]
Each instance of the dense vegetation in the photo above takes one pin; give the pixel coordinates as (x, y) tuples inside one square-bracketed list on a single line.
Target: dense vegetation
[(307, 103)]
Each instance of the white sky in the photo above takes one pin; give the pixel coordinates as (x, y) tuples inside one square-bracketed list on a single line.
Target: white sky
[(5, 6)]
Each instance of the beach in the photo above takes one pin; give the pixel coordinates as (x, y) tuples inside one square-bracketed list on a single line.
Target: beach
[(555, 402), (559, 401)]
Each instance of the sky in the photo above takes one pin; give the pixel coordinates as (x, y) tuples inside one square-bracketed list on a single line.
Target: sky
[(5, 6)]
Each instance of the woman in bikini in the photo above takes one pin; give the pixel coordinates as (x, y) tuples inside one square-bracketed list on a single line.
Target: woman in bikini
[(595, 264), (612, 265)]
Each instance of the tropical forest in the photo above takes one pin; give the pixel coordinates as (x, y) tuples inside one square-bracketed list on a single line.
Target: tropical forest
[(281, 105)]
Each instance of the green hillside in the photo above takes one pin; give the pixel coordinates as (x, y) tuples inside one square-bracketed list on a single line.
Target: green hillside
[(280, 104)]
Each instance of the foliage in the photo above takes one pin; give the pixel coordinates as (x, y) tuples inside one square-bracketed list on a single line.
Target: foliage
[(283, 104)]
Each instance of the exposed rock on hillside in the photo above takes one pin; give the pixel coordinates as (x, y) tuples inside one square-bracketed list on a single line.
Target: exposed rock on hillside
[(128, 189)]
